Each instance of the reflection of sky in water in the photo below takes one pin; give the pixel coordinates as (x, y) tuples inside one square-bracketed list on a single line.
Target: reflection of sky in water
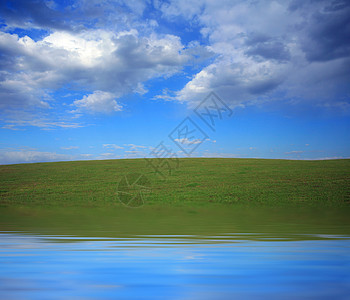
[(179, 267)]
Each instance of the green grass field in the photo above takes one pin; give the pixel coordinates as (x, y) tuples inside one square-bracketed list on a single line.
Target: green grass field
[(197, 181)]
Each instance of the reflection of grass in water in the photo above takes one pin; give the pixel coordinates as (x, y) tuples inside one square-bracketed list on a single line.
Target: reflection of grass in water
[(198, 182), (258, 223)]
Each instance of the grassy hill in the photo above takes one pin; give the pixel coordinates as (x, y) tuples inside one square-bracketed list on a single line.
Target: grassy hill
[(197, 181)]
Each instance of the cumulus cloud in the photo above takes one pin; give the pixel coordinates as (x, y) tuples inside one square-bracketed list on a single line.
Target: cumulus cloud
[(265, 49), (105, 63), (234, 82), (255, 51), (98, 102)]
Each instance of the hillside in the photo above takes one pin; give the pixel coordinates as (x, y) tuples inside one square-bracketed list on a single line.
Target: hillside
[(196, 181)]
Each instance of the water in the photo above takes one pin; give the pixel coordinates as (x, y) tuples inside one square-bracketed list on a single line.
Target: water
[(174, 254)]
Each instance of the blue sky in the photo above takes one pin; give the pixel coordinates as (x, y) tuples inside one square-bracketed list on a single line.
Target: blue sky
[(113, 79)]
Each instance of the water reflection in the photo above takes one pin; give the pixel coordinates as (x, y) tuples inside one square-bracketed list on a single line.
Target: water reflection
[(54, 258)]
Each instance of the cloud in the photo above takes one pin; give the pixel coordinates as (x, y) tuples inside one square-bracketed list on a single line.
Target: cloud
[(71, 15), (23, 13), (134, 154), (219, 155), (236, 83), (112, 146), (25, 156), (70, 148), (135, 147), (328, 158), (209, 140), (98, 102), (105, 63), (294, 152), (327, 35), (186, 141), (306, 56), (16, 119), (136, 151), (108, 49), (263, 47), (10, 127), (108, 155)]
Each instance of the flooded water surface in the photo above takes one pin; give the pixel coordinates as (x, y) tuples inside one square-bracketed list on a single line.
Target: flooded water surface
[(231, 253)]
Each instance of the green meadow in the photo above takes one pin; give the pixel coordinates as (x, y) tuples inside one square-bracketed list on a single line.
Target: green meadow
[(197, 182)]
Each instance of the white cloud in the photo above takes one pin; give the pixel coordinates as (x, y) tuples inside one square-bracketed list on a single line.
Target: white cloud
[(257, 61), (16, 119), (98, 102), (135, 147), (112, 146), (70, 148), (328, 158), (108, 155), (209, 140), (294, 152), (10, 127), (254, 60), (219, 155), (134, 154), (108, 64), (25, 156), (186, 141)]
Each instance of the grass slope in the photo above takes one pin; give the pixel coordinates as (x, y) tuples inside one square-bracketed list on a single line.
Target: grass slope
[(197, 181)]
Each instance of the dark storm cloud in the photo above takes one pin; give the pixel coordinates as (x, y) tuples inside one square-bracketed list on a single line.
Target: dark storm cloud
[(262, 46), (72, 16), (22, 13), (326, 32), (262, 87), (330, 37)]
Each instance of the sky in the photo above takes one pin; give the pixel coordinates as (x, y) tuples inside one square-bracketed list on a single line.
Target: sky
[(107, 79)]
